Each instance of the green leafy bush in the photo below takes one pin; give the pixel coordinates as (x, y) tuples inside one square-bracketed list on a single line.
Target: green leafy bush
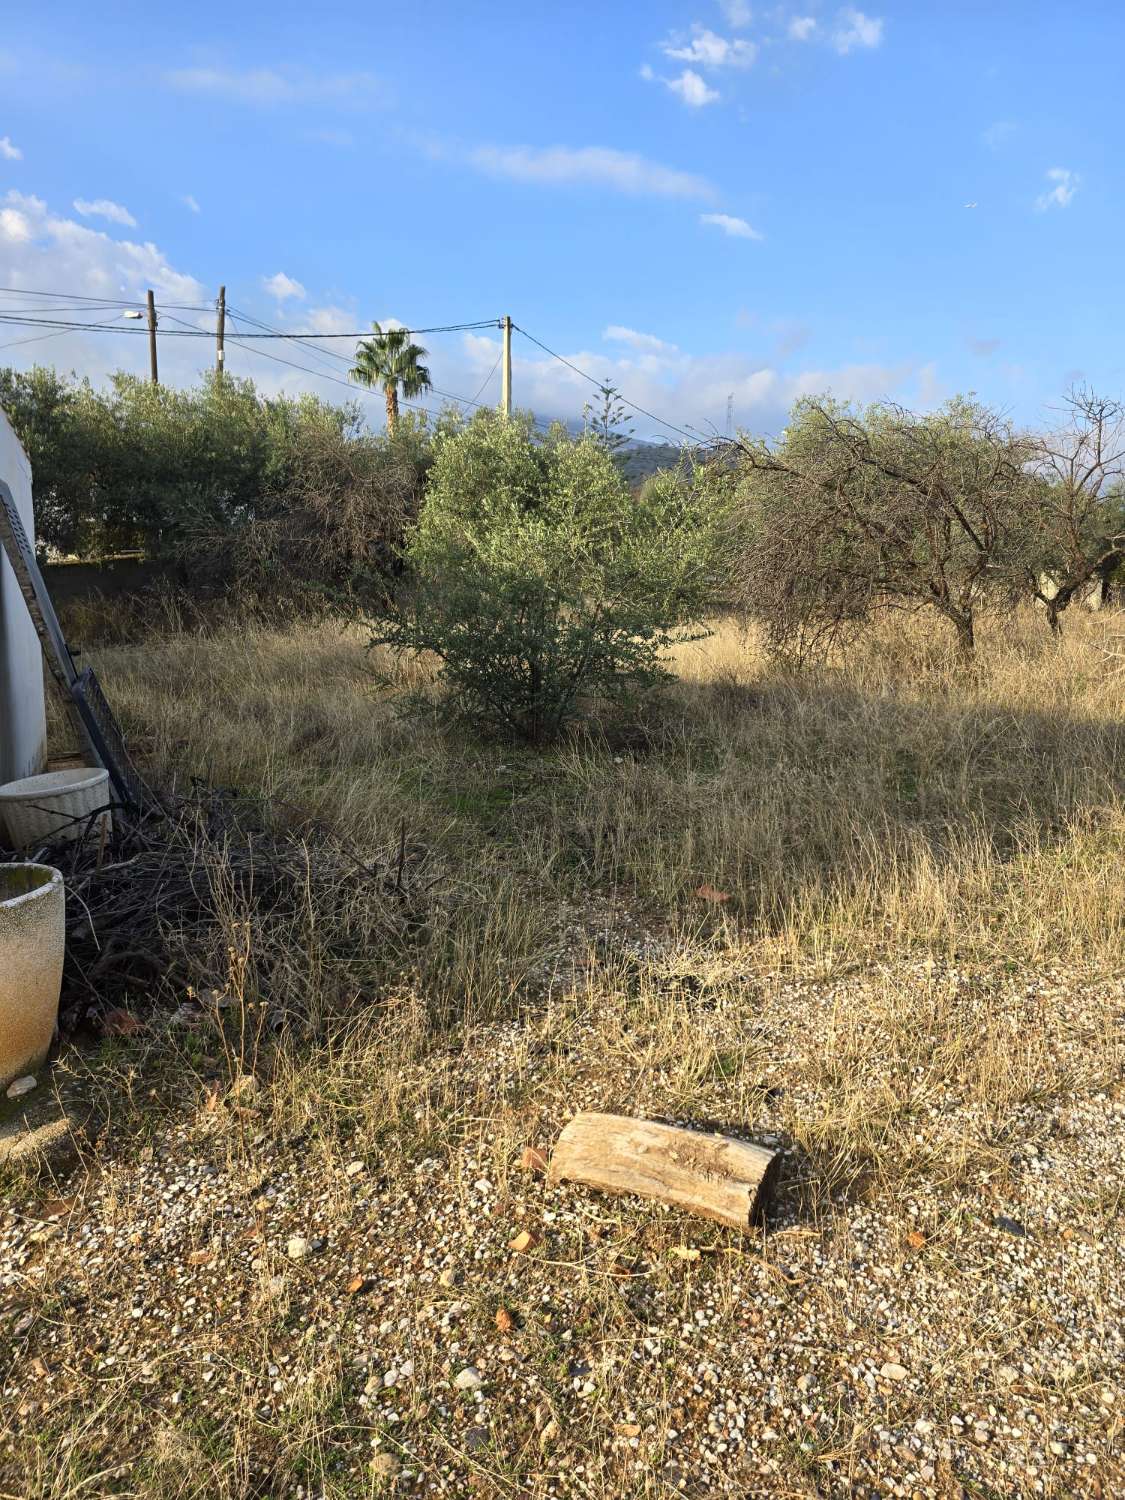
[(540, 583)]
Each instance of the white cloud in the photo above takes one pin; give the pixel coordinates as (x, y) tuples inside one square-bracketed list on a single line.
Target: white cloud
[(691, 89), (854, 29), (105, 208), (1066, 184), (690, 390), (646, 343), (283, 287), (801, 28), (738, 229), (8, 151), (15, 226), (737, 12), (329, 320), (589, 166), (273, 86), (74, 257), (710, 50), (190, 202)]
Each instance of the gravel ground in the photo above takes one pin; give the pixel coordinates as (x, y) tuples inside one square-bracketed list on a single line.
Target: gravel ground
[(308, 1287)]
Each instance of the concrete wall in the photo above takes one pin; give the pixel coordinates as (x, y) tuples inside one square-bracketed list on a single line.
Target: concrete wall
[(23, 720)]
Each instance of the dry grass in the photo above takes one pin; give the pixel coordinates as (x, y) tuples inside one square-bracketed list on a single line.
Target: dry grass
[(914, 988), (892, 803)]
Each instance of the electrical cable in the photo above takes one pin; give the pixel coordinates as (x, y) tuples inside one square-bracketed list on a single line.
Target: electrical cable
[(601, 386)]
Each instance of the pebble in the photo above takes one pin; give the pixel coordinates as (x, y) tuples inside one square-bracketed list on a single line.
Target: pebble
[(298, 1247), (468, 1379), (891, 1371), (21, 1086)]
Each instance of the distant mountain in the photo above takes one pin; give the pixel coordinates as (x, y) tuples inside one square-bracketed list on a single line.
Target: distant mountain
[(640, 460)]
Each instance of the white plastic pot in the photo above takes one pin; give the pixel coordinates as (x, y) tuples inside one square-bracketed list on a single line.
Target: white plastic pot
[(32, 944), (56, 805)]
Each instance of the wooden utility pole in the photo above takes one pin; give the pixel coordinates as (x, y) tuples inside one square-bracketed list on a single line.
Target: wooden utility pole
[(152, 337), (506, 369), (220, 333)]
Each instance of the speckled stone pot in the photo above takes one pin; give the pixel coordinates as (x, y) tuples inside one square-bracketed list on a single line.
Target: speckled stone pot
[(32, 943)]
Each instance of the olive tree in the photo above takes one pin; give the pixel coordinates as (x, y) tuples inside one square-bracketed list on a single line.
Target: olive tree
[(1076, 521), (852, 512), (539, 583)]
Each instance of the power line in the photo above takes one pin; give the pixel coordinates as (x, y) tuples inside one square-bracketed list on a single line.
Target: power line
[(601, 386), (488, 377), (29, 317), (36, 338), (81, 297)]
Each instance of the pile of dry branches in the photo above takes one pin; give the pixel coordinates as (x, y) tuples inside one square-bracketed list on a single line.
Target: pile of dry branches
[(214, 897)]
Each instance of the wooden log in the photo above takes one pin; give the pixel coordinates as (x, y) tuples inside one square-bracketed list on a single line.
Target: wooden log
[(715, 1176)]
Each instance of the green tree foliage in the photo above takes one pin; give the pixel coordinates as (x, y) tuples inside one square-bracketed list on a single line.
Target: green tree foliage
[(608, 420), (540, 584), (240, 488), (390, 360)]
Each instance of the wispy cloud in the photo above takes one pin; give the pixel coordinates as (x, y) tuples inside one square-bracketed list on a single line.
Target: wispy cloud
[(276, 86), (856, 30), (589, 166), (190, 202), (645, 343), (738, 229), (283, 287), (985, 348), (997, 134), (8, 151), (1065, 184), (341, 138), (801, 28), (737, 12), (104, 208), (709, 50)]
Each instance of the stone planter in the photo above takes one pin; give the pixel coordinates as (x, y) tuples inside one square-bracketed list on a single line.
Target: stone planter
[(32, 943)]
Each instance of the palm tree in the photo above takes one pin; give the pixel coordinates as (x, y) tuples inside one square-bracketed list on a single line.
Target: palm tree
[(390, 361)]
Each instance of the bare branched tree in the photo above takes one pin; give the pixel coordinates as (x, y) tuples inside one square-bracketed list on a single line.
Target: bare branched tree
[(852, 513), (1077, 519)]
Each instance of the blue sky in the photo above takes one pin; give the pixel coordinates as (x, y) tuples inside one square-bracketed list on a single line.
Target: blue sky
[(689, 199)]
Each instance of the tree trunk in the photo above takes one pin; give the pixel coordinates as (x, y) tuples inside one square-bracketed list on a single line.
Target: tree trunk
[(392, 407), (966, 636)]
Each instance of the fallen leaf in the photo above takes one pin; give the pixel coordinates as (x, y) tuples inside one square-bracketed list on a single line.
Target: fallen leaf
[(533, 1160), (915, 1239), (708, 892), (358, 1284), (119, 1022), (199, 1258), (212, 1096), (504, 1320), (527, 1239), (56, 1208)]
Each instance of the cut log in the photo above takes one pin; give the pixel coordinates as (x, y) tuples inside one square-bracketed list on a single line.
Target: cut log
[(715, 1176)]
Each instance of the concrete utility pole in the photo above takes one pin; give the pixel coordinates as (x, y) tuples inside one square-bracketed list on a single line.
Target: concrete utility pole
[(221, 333), (152, 337), (506, 369)]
